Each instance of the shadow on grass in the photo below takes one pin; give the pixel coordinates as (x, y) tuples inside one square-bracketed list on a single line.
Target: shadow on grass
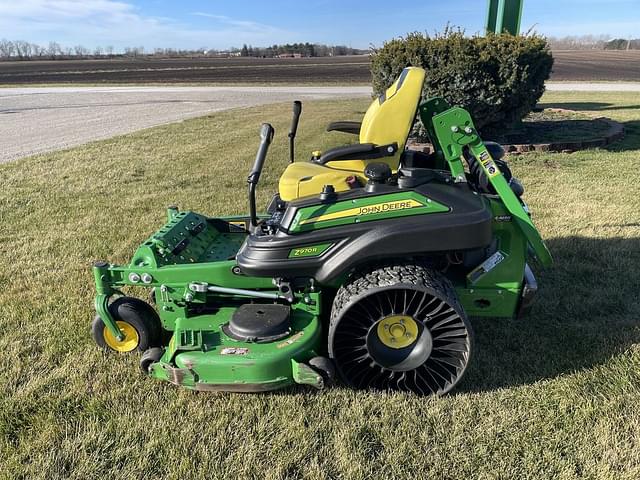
[(631, 140), (587, 311), (549, 131)]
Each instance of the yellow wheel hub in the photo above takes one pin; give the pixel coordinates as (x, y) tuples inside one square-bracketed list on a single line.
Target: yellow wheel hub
[(397, 331), (130, 341)]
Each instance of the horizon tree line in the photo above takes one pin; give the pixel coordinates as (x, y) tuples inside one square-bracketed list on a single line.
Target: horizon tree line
[(24, 50)]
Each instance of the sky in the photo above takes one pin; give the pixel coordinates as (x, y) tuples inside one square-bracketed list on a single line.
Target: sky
[(223, 24)]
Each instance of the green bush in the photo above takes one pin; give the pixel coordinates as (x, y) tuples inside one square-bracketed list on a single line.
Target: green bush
[(498, 78)]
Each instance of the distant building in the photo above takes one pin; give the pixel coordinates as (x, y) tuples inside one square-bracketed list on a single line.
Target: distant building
[(225, 54), (289, 55)]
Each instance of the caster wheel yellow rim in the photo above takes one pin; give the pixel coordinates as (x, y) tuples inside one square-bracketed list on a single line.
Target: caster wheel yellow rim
[(130, 341)]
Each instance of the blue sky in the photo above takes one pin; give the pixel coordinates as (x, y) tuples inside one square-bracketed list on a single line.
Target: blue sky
[(222, 24)]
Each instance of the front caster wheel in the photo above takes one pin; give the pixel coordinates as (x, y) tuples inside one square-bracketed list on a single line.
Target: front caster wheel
[(137, 320), (400, 327), (149, 357), (324, 366)]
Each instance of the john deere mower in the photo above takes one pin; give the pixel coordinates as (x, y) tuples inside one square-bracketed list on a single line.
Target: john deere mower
[(368, 264)]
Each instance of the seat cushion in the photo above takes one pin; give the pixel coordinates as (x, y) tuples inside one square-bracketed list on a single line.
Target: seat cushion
[(389, 119), (301, 179)]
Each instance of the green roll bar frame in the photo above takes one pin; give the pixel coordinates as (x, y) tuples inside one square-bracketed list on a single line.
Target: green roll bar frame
[(504, 16)]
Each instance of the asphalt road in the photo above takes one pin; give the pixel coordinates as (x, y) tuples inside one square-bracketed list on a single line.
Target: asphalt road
[(37, 120)]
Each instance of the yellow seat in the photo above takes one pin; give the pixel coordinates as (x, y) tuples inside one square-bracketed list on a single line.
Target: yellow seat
[(388, 121), (301, 179)]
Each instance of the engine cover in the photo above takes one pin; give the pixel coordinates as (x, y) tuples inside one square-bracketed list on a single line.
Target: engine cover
[(322, 240)]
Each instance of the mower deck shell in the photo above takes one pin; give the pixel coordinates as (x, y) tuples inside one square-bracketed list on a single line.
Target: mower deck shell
[(201, 356)]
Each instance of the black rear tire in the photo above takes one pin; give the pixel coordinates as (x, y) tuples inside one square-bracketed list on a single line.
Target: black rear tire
[(400, 327)]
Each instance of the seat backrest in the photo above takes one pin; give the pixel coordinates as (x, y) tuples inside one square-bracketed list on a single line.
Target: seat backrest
[(389, 118)]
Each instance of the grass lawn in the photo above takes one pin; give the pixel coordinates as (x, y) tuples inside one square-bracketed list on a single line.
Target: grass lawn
[(555, 395)]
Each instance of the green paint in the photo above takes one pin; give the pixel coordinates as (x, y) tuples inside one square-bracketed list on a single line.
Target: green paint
[(504, 16), (187, 238), (368, 209), (496, 293), (101, 303), (489, 302), (427, 110), (455, 130), (192, 248), (201, 356), (449, 127), (303, 374), (310, 251)]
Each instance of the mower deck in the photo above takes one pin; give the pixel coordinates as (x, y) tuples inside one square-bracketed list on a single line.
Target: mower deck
[(201, 356)]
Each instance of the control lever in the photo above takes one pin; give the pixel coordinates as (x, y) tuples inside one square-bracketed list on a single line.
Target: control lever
[(266, 136), (297, 110)]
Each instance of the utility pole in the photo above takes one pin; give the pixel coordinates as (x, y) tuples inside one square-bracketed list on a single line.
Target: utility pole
[(504, 16)]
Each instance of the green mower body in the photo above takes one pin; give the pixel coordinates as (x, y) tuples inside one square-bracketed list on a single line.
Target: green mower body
[(180, 263), (377, 281)]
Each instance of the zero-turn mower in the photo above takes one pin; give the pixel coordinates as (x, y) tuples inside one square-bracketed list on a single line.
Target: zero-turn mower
[(368, 263)]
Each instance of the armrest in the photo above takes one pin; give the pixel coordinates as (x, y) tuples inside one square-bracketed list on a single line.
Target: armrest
[(357, 151), (345, 127)]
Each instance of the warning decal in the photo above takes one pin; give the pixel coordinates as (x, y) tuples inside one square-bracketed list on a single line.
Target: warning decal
[(488, 164)]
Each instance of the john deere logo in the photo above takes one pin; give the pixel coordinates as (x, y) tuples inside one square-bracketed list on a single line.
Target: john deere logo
[(388, 206), (365, 210)]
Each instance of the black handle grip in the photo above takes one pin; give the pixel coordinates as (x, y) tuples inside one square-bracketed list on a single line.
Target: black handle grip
[(297, 110), (266, 133), (266, 136)]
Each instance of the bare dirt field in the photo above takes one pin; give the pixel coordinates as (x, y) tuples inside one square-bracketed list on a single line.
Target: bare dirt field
[(569, 66), (342, 70), (591, 65)]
